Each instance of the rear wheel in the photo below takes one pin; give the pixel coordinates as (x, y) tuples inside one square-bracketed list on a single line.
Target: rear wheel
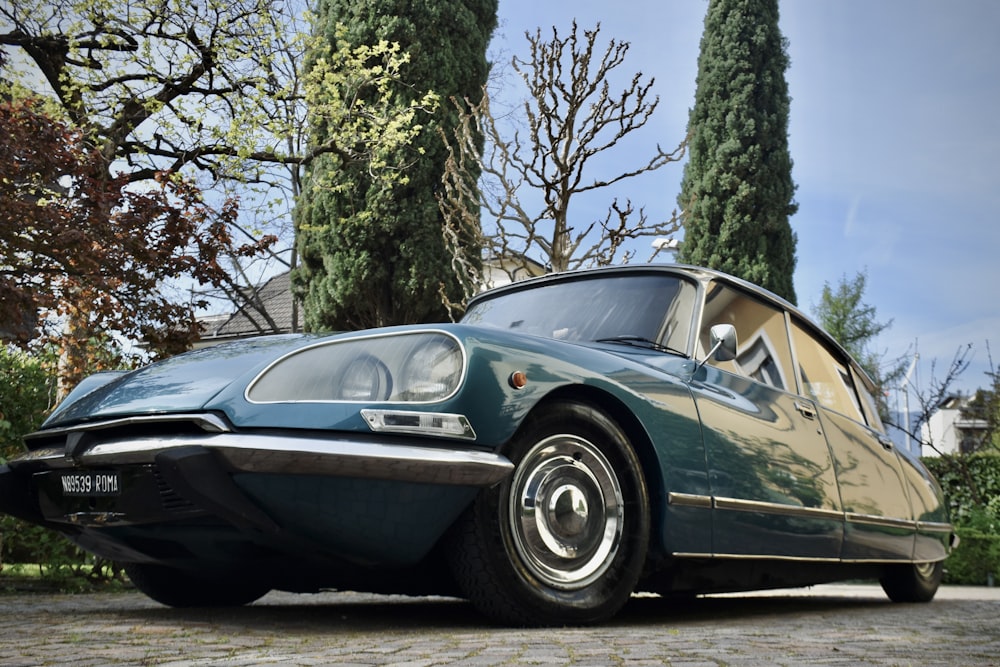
[(564, 540), (917, 582), (180, 588)]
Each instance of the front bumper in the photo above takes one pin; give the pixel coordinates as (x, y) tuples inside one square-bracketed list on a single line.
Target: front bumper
[(294, 455), (291, 491)]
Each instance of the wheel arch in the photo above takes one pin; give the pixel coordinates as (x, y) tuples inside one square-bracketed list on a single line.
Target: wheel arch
[(634, 430), (499, 555)]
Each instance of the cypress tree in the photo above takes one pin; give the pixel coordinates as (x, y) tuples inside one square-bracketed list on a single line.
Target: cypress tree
[(737, 191), (372, 254)]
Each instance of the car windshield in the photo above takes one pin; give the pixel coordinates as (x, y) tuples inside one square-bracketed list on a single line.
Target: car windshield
[(630, 308)]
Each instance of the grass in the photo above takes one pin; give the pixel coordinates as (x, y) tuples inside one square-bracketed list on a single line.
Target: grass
[(17, 578)]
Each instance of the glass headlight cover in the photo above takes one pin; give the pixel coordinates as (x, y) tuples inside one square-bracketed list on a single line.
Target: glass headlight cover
[(432, 370), (412, 367)]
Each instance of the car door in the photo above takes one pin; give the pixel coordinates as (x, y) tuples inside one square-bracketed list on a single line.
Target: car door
[(933, 530), (878, 519), (771, 474)]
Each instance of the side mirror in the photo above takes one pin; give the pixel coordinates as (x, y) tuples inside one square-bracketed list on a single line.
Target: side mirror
[(723, 339)]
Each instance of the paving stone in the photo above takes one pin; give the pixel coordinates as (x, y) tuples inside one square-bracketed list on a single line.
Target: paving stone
[(826, 625)]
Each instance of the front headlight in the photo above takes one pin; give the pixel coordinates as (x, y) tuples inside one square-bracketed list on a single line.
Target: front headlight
[(365, 379), (417, 367), (432, 369)]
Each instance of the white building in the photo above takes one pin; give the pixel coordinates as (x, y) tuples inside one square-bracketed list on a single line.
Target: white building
[(949, 432)]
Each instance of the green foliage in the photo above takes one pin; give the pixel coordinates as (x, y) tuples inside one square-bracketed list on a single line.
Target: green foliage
[(737, 191), (976, 561), (110, 96), (157, 85), (971, 485), (847, 318), (370, 232), (984, 407), (26, 397), (852, 323)]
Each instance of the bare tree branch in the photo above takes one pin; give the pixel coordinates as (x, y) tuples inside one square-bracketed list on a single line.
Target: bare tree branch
[(571, 116)]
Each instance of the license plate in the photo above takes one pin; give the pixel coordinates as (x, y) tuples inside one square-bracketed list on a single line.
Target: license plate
[(91, 483)]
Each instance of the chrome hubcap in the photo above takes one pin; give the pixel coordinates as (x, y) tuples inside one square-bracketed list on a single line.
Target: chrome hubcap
[(566, 512)]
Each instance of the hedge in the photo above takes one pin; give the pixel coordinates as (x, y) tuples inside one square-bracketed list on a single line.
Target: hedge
[(976, 561), (977, 524)]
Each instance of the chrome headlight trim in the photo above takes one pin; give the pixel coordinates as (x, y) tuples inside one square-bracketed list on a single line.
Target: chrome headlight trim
[(389, 370)]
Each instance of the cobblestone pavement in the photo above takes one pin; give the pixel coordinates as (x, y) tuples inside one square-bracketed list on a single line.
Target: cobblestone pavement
[(826, 625)]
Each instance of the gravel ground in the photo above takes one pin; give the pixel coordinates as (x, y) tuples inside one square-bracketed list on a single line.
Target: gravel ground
[(825, 625)]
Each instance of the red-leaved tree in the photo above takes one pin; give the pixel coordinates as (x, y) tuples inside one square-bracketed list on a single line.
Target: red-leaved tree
[(94, 255)]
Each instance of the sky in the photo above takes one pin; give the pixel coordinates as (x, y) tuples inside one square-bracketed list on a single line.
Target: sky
[(894, 131)]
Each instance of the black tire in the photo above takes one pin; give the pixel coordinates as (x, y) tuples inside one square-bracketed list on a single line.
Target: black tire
[(563, 541), (917, 582), (179, 588)]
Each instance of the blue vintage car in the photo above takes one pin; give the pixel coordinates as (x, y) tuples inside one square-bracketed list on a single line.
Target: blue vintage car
[(574, 439)]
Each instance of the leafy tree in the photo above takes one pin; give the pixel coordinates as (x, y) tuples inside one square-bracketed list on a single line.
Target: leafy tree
[(737, 191), (573, 119), (208, 89), (212, 90), (852, 323), (95, 253), (983, 408), (161, 86), (370, 242)]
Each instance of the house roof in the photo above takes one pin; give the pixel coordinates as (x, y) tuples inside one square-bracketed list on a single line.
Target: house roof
[(273, 302), (269, 311)]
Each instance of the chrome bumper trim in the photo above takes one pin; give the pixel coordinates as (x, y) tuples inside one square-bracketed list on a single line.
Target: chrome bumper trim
[(689, 500), (738, 505), (206, 421), (801, 559), (934, 527), (277, 454), (882, 521)]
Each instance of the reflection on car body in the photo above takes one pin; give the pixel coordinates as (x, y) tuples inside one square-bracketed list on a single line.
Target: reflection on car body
[(576, 438)]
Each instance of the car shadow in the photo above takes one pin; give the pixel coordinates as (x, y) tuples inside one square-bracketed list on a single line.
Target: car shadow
[(335, 612)]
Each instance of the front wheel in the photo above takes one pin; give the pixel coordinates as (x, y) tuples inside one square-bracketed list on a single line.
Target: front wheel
[(179, 588), (564, 540), (917, 582)]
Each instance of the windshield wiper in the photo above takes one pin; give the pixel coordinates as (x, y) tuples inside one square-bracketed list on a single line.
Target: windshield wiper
[(639, 341)]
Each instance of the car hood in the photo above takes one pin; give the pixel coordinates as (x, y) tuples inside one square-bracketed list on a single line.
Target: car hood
[(186, 382), (215, 378)]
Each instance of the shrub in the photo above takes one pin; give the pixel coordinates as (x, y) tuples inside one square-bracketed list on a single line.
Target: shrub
[(970, 482), (971, 485), (26, 397), (976, 561)]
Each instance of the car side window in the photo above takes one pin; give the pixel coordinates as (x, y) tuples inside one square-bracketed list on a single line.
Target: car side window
[(868, 403), (764, 353), (826, 375)]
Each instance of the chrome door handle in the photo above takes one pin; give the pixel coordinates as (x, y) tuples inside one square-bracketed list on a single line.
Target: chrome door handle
[(808, 411)]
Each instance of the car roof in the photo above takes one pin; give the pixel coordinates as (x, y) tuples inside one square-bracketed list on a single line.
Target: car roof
[(700, 274)]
